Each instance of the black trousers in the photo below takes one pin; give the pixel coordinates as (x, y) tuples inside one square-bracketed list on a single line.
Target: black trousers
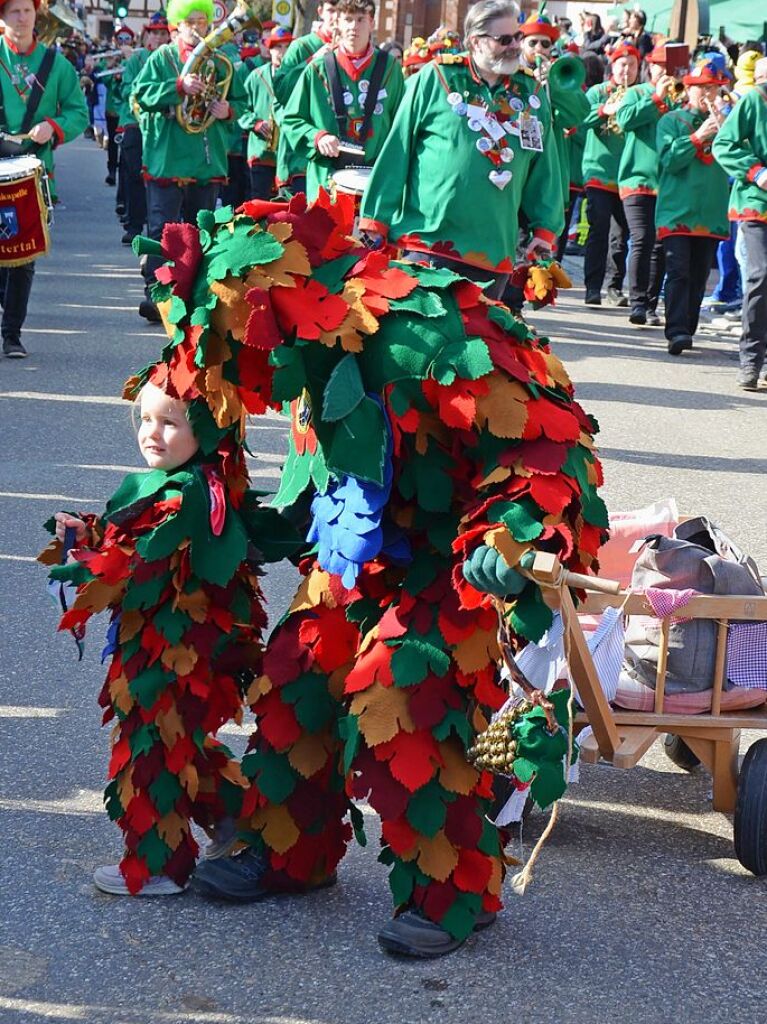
[(640, 217), (15, 287), (602, 209), (112, 120), (562, 243), (168, 203), (236, 190), (133, 183), (753, 342), (261, 181), (688, 264)]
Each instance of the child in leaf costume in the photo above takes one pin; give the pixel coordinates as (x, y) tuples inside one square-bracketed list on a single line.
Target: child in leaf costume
[(434, 442), (175, 559)]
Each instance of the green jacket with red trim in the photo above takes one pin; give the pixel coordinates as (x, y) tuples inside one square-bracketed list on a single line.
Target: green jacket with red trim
[(431, 188), (62, 104), (604, 147), (740, 147), (638, 117), (693, 188)]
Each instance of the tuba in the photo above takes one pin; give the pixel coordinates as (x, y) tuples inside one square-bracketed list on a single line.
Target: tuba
[(193, 113), (56, 20)]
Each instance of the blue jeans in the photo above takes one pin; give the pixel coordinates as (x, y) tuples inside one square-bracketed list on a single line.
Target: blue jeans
[(728, 286)]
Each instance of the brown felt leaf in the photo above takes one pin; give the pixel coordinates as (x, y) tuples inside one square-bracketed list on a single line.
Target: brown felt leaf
[(231, 311), (479, 721), (497, 476), (337, 681), (170, 725), (172, 829), (382, 711), (223, 399), (96, 596), (313, 591), (190, 780), (51, 555), (258, 688), (503, 407), (119, 694), (282, 231), (179, 659), (496, 878), (232, 771), (277, 827), (477, 651), (309, 754), (586, 440), (437, 856), (556, 371), (195, 605), (131, 623), (125, 790), (510, 549), (456, 775)]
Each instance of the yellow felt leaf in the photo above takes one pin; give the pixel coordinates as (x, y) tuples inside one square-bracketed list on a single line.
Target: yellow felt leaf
[(163, 308), (231, 311), (172, 829), (456, 774), (313, 591), (383, 711), (560, 275), (503, 408), (170, 725), (179, 659), (309, 754), (477, 651), (437, 857), (586, 440), (190, 780), (276, 825)]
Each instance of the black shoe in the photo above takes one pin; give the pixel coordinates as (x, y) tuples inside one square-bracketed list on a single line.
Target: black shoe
[(593, 299), (13, 349), (679, 344), (615, 297), (653, 320), (748, 382), (638, 316), (149, 311), (412, 934), (128, 237), (240, 879), (110, 179), (120, 209)]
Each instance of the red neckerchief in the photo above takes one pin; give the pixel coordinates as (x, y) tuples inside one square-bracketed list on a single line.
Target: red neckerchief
[(20, 53), (326, 37), (184, 49), (354, 64)]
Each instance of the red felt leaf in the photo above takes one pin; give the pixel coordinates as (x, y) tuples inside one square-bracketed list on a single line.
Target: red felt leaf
[(413, 758), (473, 871), (431, 700), (466, 294), (120, 756), (551, 493), (400, 835), (436, 899), (182, 752), (373, 780), (285, 659), (277, 721), (182, 372), (181, 244), (308, 309), (261, 330), (256, 377), (332, 638), (258, 208), (141, 813), (550, 419), (539, 456), (373, 664), (153, 643), (390, 625), (135, 872)]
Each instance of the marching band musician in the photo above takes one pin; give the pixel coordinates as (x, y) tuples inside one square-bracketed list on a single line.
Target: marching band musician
[(183, 170), (740, 147), (471, 147), (349, 94), (264, 115), (155, 34), (125, 41), (637, 117), (41, 98), (691, 211), (601, 161)]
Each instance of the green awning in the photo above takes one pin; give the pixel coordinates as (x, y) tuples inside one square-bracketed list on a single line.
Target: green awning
[(740, 19)]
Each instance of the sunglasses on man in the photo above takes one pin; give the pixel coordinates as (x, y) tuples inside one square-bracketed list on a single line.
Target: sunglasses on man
[(505, 40)]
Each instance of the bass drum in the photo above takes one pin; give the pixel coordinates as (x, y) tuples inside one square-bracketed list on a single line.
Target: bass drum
[(351, 181), (25, 209)]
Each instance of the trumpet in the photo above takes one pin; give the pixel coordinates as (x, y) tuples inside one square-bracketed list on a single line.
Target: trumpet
[(616, 99)]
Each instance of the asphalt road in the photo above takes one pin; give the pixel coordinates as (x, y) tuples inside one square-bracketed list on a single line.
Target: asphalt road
[(639, 911)]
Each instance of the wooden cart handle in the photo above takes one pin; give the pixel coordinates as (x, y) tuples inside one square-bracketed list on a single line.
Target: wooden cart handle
[(548, 569)]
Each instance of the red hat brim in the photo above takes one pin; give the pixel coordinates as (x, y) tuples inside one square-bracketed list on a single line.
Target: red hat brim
[(706, 79), (534, 28), (625, 51)]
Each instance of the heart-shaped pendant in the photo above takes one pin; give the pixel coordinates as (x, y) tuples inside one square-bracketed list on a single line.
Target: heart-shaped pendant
[(500, 178)]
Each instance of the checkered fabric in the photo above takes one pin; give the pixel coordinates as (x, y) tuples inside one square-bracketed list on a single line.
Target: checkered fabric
[(747, 654)]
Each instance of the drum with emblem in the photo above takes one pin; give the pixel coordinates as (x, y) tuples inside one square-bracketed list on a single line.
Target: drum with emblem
[(351, 181), (25, 208)]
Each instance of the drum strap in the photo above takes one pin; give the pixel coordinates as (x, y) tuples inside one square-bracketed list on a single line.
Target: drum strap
[(35, 95), (337, 93)]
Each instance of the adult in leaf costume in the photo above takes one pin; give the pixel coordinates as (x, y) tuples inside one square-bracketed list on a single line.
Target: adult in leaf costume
[(176, 559), (434, 440)]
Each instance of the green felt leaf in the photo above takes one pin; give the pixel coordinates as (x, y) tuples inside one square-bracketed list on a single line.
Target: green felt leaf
[(136, 487), (531, 617), (358, 824), (549, 784), (459, 919), (204, 426), (155, 852), (358, 447), (271, 772), (426, 810), (177, 310), (521, 520), (442, 530), (290, 374), (401, 882), (420, 301), (147, 594), (421, 572), (236, 251), (164, 539), (454, 721), (273, 534), (223, 214), (313, 705), (349, 732), (468, 360), (216, 559), (524, 769), (332, 274), (172, 623), (594, 508), (149, 684), (112, 803), (142, 740), (430, 277), (143, 246), (409, 664), (165, 791), (344, 390), (489, 842), (231, 795), (206, 221), (404, 348), (295, 477)]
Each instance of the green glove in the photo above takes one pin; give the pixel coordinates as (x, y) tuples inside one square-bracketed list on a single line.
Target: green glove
[(487, 571)]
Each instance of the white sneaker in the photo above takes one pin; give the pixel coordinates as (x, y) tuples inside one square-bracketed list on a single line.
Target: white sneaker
[(109, 879)]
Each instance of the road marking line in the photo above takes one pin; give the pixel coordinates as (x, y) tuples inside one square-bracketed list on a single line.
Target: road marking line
[(47, 497), (10, 711), (50, 396), (17, 558)]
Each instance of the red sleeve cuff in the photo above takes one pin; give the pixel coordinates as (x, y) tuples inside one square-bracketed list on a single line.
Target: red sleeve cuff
[(320, 135), (702, 150), (545, 236), (368, 224), (601, 110), (662, 106), (57, 131), (753, 171), (179, 87)]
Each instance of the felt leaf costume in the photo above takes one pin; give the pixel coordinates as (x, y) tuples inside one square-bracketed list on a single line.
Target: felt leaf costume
[(425, 421), (176, 561)]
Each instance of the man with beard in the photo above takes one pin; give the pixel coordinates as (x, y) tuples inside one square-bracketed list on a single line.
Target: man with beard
[(471, 147)]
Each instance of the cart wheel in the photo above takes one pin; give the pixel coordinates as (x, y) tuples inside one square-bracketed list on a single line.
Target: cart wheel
[(677, 751), (751, 810)]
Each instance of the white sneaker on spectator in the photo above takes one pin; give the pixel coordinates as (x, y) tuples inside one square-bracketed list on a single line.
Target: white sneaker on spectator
[(109, 878)]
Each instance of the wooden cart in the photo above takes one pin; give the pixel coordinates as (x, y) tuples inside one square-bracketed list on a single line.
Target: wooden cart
[(623, 737)]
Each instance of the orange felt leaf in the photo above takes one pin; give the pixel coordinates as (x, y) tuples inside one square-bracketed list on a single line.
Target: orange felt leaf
[(172, 829), (456, 774), (223, 399), (179, 659), (557, 372), (258, 688), (125, 790), (437, 857), (96, 596), (163, 308), (496, 877), (383, 711), (309, 754), (277, 826), (504, 408), (477, 650), (231, 311)]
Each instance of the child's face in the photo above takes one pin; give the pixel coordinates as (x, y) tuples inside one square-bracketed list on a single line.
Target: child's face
[(165, 435)]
